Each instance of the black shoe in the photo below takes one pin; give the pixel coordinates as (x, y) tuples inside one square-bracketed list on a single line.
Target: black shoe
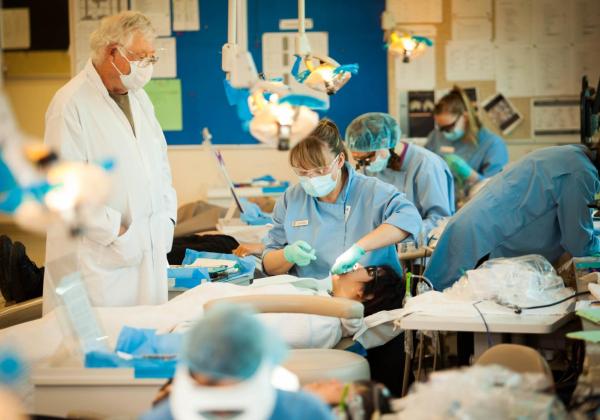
[(27, 279), (5, 248)]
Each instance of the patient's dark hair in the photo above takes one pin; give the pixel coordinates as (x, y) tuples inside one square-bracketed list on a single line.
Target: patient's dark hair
[(387, 289), (375, 398)]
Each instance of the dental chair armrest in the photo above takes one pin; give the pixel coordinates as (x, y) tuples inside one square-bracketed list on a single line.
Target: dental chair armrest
[(294, 304), (20, 313)]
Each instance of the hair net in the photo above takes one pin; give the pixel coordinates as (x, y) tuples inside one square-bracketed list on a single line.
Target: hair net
[(372, 131), (230, 342)]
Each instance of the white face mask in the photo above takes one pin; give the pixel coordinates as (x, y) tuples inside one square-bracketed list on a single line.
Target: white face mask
[(380, 162), (138, 76), (251, 399), (319, 186)]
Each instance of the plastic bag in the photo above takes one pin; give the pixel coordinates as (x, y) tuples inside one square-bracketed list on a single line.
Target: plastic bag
[(524, 281), (480, 392)]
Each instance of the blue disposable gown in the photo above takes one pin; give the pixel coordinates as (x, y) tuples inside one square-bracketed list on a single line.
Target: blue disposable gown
[(331, 228), (288, 406), (538, 205), (488, 157), (427, 182)]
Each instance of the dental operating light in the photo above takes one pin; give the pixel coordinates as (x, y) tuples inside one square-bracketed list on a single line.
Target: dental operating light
[(273, 112), (323, 74)]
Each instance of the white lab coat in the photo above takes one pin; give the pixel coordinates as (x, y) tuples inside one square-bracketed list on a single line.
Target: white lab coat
[(85, 124)]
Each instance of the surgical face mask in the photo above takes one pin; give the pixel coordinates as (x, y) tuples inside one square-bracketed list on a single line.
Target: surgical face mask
[(138, 75), (251, 399), (380, 162), (458, 132), (318, 186)]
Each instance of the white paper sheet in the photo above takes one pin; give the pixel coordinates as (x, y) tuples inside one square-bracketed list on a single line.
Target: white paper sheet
[(278, 51), (471, 29), (551, 21), (556, 117), (469, 61), (186, 15), (166, 67), (586, 21), (415, 11), (552, 69), (87, 10), (86, 18), (15, 29), (513, 64), (419, 74), (472, 8), (81, 49), (585, 61), (159, 12), (513, 21)]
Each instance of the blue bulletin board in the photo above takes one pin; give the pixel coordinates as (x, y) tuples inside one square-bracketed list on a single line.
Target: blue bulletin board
[(355, 36)]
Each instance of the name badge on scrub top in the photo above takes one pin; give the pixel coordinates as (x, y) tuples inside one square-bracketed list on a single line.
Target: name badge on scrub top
[(347, 213), (300, 223)]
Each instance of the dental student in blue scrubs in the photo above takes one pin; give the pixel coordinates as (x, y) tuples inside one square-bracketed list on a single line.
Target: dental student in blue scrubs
[(472, 152), (420, 174), (335, 217), (538, 205)]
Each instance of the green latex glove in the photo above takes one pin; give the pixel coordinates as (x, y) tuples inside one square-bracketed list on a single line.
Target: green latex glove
[(458, 166), (593, 336), (347, 260), (591, 314), (299, 253)]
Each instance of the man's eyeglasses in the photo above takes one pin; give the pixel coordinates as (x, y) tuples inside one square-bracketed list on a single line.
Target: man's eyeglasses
[(143, 61)]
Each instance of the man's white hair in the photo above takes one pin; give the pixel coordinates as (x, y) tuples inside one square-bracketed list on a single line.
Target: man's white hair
[(119, 29)]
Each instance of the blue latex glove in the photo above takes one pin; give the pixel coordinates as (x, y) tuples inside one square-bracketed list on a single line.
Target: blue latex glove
[(299, 253), (265, 178), (253, 215), (347, 260), (458, 166)]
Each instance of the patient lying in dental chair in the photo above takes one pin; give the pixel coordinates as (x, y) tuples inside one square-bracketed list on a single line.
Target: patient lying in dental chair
[(378, 288)]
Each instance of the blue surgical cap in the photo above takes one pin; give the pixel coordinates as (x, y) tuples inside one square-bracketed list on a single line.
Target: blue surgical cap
[(229, 342), (372, 131)]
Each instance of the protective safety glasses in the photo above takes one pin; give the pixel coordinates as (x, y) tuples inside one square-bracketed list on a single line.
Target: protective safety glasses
[(143, 61), (448, 128), (365, 160), (311, 173)]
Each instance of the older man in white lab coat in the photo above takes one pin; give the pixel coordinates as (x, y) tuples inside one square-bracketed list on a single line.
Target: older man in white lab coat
[(103, 112)]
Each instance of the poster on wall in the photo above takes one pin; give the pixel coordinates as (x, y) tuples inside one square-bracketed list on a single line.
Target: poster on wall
[(166, 67), (159, 12), (279, 49), (420, 113), (16, 34), (502, 113), (86, 16), (186, 15), (553, 118)]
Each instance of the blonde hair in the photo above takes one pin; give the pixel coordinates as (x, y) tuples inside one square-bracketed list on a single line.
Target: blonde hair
[(310, 152), (457, 102), (119, 29)]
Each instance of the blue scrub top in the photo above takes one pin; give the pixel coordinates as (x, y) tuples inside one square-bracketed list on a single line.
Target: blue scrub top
[(331, 228), (427, 182), (488, 157), (288, 405), (537, 205)]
